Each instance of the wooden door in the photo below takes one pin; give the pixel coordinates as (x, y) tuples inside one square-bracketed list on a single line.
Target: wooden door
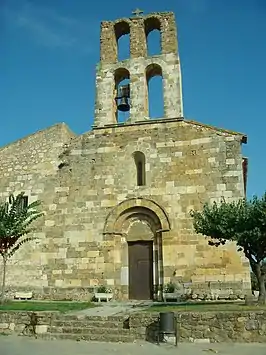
[(140, 270)]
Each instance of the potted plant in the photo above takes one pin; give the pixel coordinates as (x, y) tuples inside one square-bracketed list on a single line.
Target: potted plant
[(170, 292), (103, 294)]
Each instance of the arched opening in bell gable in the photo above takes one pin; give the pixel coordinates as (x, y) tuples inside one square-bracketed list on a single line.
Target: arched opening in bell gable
[(155, 92), (122, 33), (122, 95), (153, 36)]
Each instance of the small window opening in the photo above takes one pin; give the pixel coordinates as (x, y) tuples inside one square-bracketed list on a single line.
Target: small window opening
[(139, 158), (140, 179), (245, 173)]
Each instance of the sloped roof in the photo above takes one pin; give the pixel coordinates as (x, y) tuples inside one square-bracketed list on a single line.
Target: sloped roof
[(217, 129)]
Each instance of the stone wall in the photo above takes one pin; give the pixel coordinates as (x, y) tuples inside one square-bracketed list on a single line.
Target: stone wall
[(55, 325), (33, 156), (31, 165), (14, 322), (192, 327), (186, 165), (140, 68), (89, 196), (209, 327), (138, 28), (139, 71)]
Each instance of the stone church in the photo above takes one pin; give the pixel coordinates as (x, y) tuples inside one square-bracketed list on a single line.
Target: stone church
[(117, 199)]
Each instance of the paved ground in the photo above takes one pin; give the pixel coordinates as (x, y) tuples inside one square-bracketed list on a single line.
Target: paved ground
[(12, 345), (114, 308)]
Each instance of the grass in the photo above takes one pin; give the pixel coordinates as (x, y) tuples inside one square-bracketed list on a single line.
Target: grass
[(205, 307), (45, 306)]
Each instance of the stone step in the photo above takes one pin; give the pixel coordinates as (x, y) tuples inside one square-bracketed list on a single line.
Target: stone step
[(112, 338), (89, 323), (90, 330), (82, 318)]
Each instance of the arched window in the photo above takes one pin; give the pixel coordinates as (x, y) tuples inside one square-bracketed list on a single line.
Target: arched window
[(139, 158), (154, 77), (122, 33), (121, 79), (153, 36)]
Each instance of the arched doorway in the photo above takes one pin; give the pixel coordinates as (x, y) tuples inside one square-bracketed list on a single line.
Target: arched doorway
[(137, 225)]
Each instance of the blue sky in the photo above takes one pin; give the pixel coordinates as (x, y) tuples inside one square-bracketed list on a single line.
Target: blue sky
[(49, 50)]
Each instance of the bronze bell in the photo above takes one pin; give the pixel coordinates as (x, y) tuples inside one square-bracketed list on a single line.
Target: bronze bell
[(123, 99), (123, 104)]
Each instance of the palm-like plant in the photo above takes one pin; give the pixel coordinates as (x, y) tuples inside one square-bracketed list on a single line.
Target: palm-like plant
[(15, 225)]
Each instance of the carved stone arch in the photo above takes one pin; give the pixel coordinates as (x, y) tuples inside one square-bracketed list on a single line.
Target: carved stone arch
[(136, 206), (121, 74), (153, 26), (121, 28), (152, 70), (139, 226), (152, 23)]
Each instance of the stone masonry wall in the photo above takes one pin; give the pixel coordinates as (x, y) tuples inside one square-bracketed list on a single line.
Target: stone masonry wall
[(241, 327), (186, 165), (139, 67), (138, 27), (36, 154), (192, 327), (171, 73), (31, 165)]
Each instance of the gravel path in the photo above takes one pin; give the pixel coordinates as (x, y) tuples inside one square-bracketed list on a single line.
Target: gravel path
[(13, 345)]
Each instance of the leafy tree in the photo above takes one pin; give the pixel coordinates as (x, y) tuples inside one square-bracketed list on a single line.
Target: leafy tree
[(254, 281), (242, 222), (16, 218)]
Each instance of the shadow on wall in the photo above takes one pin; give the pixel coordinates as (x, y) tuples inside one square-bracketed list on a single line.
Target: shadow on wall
[(152, 331)]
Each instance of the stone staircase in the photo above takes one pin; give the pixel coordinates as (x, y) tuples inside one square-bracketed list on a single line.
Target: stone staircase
[(90, 328)]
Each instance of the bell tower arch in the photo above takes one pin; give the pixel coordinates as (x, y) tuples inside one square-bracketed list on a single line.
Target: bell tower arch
[(138, 69)]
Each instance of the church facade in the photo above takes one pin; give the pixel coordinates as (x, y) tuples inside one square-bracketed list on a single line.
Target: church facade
[(117, 199)]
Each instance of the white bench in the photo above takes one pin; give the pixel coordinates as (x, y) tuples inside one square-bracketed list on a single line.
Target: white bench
[(103, 296), (23, 295)]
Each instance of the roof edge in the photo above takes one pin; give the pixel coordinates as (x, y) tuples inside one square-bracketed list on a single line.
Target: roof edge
[(62, 125), (243, 136)]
